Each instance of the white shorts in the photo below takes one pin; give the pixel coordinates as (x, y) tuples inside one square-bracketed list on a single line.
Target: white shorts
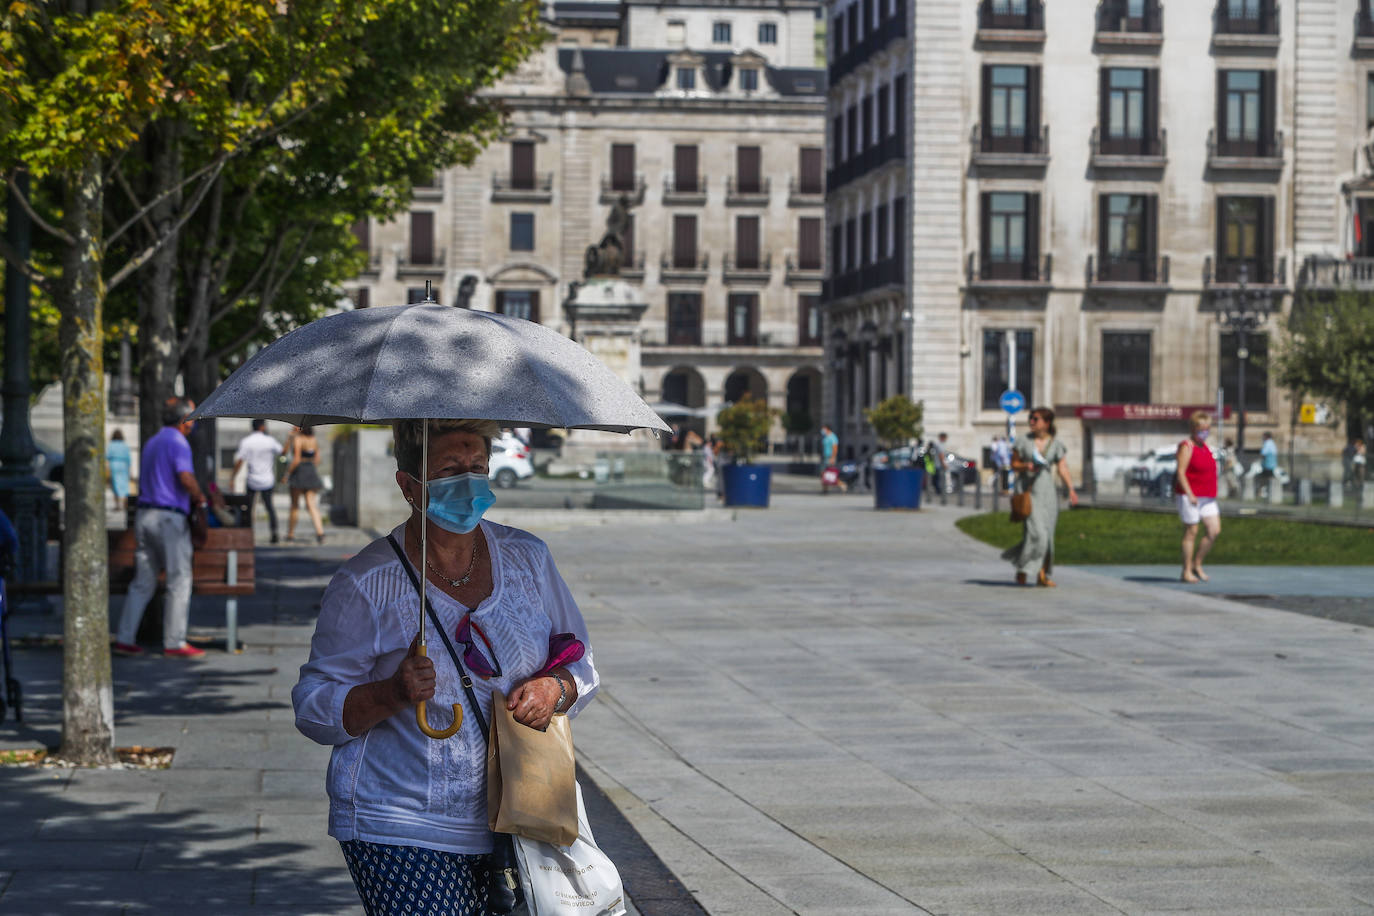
[(1191, 514)]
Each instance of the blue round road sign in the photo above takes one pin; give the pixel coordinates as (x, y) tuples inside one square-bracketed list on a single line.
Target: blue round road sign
[(1013, 401)]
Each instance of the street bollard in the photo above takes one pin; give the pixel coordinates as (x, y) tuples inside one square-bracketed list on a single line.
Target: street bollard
[(1275, 492), (1304, 494), (959, 495), (996, 497), (1336, 494), (1366, 496), (1247, 490), (978, 494)]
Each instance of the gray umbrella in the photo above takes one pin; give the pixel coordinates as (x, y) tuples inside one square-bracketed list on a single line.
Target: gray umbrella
[(430, 362)]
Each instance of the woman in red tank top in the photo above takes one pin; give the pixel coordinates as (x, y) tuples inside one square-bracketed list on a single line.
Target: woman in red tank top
[(1196, 486)]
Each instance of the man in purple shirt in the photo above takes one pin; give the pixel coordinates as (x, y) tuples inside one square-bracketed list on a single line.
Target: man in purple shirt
[(167, 490)]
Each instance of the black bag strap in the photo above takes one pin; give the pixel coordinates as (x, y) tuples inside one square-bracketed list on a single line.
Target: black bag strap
[(439, 628)]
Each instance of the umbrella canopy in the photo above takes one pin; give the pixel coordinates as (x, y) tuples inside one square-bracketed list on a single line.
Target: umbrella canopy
[(429, 361)]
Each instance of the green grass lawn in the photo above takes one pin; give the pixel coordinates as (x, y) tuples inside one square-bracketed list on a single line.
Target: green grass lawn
[(1122, 536)]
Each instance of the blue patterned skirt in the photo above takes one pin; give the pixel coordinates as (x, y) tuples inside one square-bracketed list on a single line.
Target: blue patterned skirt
[(416, 881)]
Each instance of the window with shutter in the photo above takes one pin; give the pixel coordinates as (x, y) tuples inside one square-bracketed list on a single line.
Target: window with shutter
[(866, 127), (812, 179), (884, 106), (809, 320), (1007, 237), (1125, 249), (518, 303), (421, 238), (522, 165), (748, 169), (522, 232), (809, 243), (747, 242), (881, 251), (866, 239), (1245, 238), (684, 319), (742, 319), (684, 241), (685, 177), (1125, 367), (623, 167), (362, 231)]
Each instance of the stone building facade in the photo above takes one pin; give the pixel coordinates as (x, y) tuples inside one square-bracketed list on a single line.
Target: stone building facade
[(718, 149), (1085, 185)]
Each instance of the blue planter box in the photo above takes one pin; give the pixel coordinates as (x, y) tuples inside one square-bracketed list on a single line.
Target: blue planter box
[(747, 484), (898, 488)]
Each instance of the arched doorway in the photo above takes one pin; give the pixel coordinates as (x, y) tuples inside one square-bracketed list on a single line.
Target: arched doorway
[(684, 385), (745, 381), (802, 418)]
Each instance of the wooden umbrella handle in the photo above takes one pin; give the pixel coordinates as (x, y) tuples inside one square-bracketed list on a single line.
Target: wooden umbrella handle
[(438, 734)]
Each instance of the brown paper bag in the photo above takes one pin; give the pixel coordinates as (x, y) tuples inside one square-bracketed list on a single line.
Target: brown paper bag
[(531, 781)]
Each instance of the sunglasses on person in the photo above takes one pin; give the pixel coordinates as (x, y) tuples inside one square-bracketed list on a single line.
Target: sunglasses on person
[(472, 656)]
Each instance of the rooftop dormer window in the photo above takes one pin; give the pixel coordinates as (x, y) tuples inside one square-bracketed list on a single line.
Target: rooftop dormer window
[(686, 78), (748, 79)]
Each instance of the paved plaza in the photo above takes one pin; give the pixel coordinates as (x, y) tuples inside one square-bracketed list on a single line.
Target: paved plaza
[(815, 709)]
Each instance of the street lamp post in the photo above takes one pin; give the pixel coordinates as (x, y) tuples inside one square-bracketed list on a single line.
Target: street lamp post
[(1242, 312)]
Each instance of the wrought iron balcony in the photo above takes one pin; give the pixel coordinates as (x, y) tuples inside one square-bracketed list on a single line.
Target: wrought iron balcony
[(435, 264), (1123, 22), (804, 270), (1028, 273), (1263, 153), (612, 191), (1319, 273), (633, 266), (374, 263), (886, 150), (805, 195), (1246, 17), (885, 273), (1030, 149), (1011, 21), (1227, 272), (1145, 152), (891, 29), (1128, 273), (694, 268), (756, 269), (738, 194), (532, 188), (690, 190)]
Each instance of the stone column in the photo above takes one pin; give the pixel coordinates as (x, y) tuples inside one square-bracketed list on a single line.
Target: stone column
[(604, 315)]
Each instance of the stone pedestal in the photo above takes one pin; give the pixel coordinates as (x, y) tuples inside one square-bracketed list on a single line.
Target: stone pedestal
[(604, 314)]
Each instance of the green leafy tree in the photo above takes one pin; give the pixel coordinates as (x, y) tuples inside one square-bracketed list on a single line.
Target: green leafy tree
[(1328, 351), (896, 420), (81, 82), (744, 426)]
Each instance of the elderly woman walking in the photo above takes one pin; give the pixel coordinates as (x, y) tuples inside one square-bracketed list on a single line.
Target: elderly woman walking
[(411, 813), (1196, 486), (1036, 458)]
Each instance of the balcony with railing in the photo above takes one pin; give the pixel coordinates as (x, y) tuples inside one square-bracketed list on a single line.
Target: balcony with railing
[(748, 268), (633, 268), (747, 193), (1011, 21), (374, 263), (1260, 153), (407, 266), (1027, 274), (532, 188), (1148, 151), (1128, 273), (1331, 274), (805, 194), (889, 149), (677, 268), (804, 270), (1130, 23), (612, 189), (889, 30), (878, 275), (1246, 24), (1225, 274), (1027, 149), (433, 189), (689, 190)]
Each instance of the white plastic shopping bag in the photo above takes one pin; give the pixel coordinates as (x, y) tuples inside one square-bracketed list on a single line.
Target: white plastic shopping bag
[(576, 879)]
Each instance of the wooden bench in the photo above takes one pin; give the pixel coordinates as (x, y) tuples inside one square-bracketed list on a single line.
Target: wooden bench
[(224, 566)]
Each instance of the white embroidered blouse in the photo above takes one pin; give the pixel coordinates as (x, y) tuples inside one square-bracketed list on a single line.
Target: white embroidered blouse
[(392, 784)]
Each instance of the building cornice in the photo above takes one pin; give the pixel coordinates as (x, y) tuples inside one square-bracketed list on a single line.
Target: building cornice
[(772, 105)]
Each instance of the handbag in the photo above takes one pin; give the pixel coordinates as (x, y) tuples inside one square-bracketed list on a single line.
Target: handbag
[(576, 880), (830, 476), (504, 891), (1020, 506), (531, 778), (200, 525)]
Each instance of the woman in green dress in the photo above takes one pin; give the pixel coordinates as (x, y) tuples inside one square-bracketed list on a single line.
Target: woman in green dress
[(1036, 458)]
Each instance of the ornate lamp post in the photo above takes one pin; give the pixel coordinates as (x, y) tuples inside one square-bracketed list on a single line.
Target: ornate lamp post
[(1242, 312)]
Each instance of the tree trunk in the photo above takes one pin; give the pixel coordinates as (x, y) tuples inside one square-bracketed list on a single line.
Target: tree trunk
[(87, 698), (157, 334)]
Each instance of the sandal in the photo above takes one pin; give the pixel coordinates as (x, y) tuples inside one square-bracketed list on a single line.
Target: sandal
[(1044, 581), (1020, 578)]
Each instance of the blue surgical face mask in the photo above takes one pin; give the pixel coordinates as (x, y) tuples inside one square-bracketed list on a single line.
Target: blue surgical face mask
[(458, 503), (1201, 435)]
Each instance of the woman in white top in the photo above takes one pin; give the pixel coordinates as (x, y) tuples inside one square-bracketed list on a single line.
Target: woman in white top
[(404, 806)]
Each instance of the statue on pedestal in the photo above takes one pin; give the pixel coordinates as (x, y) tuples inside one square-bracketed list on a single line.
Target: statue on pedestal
[(605, 258)]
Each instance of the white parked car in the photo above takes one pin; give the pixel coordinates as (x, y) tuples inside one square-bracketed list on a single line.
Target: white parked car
[(510, 462)]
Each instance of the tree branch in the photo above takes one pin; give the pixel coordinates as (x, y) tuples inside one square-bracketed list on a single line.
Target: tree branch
[(122, 180), (265, 301), (59, 234), (215, 165), (35, 275), (142, 258)]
